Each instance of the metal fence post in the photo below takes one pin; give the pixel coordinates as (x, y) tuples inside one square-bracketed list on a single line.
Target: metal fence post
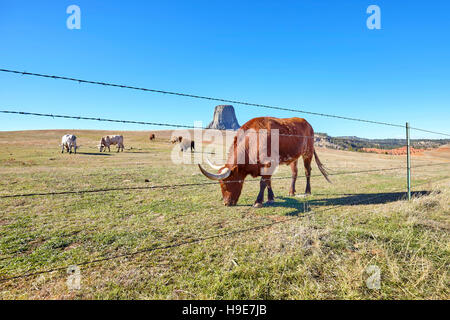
[(408, 161)]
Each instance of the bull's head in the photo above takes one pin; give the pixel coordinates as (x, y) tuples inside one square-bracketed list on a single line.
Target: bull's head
[(231, 181), (101, 145)]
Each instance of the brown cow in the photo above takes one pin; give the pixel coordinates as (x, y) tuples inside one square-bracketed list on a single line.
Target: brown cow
[(152, 137), (296, 138)]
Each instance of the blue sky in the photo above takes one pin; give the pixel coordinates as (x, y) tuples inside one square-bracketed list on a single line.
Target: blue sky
[(313, 55)]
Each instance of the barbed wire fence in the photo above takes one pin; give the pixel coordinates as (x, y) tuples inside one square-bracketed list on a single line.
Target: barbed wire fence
[(368, 200), (183, 185), (246, 103)]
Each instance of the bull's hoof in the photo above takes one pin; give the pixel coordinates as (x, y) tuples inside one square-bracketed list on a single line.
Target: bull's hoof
[(270, 202), (303, 195), (291, 194), (258, 205)]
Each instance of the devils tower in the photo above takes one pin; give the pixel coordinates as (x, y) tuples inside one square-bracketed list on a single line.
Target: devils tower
[(224, 118)]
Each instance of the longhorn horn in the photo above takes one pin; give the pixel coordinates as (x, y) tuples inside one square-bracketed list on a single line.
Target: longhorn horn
[(213, 165), (225, 174)]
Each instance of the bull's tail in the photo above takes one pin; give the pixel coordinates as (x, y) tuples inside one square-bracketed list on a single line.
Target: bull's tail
[(321, 167)]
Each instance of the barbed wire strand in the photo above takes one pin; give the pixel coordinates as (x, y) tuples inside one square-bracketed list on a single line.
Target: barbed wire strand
[(197, 240), (249, 180), (169, 186), (213, 99), (49, 115), (211, 183)]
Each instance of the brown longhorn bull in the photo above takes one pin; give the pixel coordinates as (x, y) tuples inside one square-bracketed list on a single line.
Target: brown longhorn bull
[(296, 139)]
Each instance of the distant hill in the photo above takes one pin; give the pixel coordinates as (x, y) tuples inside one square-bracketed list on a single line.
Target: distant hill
[(357, 144)]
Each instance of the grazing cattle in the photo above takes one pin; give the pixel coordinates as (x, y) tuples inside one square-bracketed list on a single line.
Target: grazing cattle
[(152, 137), (107, 141), (185, 144), (296, 139), (176, 139), (69, 141)]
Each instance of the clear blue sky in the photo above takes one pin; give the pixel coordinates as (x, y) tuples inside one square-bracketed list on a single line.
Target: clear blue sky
[(309, 54)]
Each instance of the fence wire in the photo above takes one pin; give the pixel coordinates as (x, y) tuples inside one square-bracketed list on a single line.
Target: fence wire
[(197, 240), (215, 99), (182, 185)]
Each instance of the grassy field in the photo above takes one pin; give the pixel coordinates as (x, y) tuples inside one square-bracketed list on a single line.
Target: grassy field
[(320, 247)]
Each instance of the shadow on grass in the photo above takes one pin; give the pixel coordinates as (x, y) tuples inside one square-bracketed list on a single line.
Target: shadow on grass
[(304, 205), (93, 154), (138, 152)]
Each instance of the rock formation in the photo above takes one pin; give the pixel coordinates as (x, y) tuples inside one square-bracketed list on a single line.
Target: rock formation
[(224, 118)]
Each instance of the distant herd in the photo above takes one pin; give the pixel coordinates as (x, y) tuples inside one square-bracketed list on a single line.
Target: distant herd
[(69, 143)]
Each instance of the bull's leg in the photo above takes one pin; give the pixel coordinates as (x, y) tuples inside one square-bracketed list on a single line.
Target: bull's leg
[(307, 163), (260, 198), (270, 195), (294, 177), (109, 149)]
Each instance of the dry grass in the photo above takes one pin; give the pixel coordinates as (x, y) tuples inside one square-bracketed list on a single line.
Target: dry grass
[(319, 254)]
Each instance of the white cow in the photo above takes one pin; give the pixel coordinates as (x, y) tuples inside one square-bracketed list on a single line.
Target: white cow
[(69, 141), (185, 144), (107, 141), (175, 139)]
